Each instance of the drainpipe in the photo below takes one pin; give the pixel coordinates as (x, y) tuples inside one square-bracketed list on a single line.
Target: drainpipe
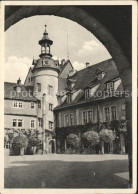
[(98, 118), (43, 123)]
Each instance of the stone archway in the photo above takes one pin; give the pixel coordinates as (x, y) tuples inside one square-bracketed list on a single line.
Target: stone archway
[(77, 14), (52, 146)]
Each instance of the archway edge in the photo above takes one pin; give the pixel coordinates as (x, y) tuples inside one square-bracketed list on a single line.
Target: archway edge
[(84, 19), (91, 24)]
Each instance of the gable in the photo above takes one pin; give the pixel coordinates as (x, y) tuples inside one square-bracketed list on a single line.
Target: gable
[(65, 69), (28, 80)]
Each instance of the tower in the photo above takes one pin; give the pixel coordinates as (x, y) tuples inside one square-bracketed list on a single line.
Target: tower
[(45, 73)]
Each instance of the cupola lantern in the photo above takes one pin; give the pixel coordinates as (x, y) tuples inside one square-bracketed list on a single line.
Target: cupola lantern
[(45, 43)]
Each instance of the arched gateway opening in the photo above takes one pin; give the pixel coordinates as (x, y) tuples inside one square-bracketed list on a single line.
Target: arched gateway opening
[(86, 19)]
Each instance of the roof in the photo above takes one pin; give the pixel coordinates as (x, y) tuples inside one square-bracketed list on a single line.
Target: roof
[(62, 67), (87, 78), (25, 94), (45, 38), (46, 62)]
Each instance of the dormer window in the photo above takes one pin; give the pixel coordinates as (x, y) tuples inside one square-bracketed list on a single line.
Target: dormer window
[(69, 98), (110, 87), (87, 93), (99, 73)]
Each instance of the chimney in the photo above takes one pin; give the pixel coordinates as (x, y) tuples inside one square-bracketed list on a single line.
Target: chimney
[(18, 87), (19, 82), (63, 62), (87, 64)]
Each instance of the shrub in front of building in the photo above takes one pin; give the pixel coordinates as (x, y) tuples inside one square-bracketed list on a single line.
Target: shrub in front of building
[(73, 142), (33, 144), (90, 139), (107, 135), (19, 143)]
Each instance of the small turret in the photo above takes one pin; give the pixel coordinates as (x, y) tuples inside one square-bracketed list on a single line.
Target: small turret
[(45, 43)]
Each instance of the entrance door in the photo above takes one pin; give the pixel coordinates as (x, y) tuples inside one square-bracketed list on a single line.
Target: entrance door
[(51, 147), (106, 148)]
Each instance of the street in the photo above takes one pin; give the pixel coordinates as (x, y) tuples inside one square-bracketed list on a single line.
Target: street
[(66, 171)]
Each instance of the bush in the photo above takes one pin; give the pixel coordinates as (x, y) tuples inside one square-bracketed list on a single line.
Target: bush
[(33, 141), (107, 135), (19, 142), (90, 137), (72, 141)]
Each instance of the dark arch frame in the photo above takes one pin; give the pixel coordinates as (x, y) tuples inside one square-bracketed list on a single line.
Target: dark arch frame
[(86, 19)]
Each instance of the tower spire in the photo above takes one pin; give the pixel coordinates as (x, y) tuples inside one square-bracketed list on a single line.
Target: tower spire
[(67, 48), (45, 32)]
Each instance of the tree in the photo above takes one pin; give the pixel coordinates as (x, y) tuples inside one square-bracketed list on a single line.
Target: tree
[(19, 143), (107, 135), (33, 142), (90, 137), (73, 141)]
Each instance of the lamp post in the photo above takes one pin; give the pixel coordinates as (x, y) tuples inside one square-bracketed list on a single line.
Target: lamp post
[(43, 122)]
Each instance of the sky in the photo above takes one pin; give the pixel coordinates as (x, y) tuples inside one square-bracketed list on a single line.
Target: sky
[(21, 44)]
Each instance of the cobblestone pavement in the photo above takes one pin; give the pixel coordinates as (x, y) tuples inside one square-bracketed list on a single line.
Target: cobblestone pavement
[(66, 171)]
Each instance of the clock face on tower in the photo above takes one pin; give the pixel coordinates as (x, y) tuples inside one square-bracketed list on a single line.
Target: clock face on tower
[(45, 62)]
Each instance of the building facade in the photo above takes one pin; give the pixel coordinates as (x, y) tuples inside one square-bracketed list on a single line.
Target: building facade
[(94, 100), (56, 101)]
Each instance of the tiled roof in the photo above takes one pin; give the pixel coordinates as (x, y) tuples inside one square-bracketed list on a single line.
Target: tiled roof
[(86, 77), (25, 94)]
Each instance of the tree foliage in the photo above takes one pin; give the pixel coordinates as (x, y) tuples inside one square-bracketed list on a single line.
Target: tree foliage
[(72, 140), (19, 141), (107, 135), (33, 141), (90, 137)]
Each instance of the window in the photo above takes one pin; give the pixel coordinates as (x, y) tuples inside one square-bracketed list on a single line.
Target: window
[(66, 120), (113, 113), (50, 90), (69, 98), (29, 79), (39, 103), (71, 119), (87, 93), (32, 105), (107, 114), (17, 122), (50, 125), (15, 104), (20, 123), (32, 123), (84, 117), (110, 87), (20, 105), (39, 87), (90, 116), (87, 116), (39, 122), (14, 123), (110, 113), (50, 107), (7, 145)]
